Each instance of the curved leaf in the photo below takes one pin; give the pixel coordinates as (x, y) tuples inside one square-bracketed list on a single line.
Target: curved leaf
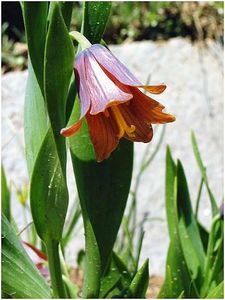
[(117, 275), (35, 21), (48, 191), (96, 14), (214, 206), (177, 278), (59, 57), (139, 284), (67, 8), (35, 119), (188, 229), (20, 277)]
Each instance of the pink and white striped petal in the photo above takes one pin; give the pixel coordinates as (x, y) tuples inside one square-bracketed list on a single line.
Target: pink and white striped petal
[(99, 87), (83, 88), (107, 60), (111, 64)]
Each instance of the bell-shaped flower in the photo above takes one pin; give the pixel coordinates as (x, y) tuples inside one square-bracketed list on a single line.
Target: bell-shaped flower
[(112, 102)]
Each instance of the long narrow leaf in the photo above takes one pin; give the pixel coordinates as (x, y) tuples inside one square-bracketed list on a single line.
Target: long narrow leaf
[(139, 284), (35, 119), (204, 175), (178, 280), (5, 196), (96, 14), (67, 8), (59, 57), (35, 20), (188, 229), (48, 191), (20, 277)]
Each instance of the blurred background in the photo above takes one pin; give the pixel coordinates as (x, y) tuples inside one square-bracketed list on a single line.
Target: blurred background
[(179, 43), (130, 21)]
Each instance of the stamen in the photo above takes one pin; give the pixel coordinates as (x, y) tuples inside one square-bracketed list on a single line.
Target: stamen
[(121, 123)]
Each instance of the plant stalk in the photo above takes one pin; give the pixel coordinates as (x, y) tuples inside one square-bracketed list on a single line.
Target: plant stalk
[(52, 247)]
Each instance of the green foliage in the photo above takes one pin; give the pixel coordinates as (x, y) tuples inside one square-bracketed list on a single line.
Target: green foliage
[(203, 173), (46, 153), (139, 284), (20, 277), (160, 20), (95, 19), (133, 21), (193, 252), (109, 195), (194, 267), (5, 193), (36, 38)]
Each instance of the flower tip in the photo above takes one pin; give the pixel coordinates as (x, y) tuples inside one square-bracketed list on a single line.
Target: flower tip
[(173, 118), (69, 131), (63, 132)]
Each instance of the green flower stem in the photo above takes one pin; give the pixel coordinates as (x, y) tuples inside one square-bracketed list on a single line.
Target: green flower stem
[(52, 247), (81, 39)]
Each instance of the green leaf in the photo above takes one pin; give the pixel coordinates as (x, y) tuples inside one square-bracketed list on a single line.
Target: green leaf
[(214, 206), (217, 292), (73, 222), (48, 191), (59, 57), (5, 197), (67, 8), (35, 119), (213, 271), (96, 15), (139, 284), (117, 275), (35, 21), (204, 236), (72, 289), (177, 278), (108, 196), (103, 189), (171, 205), (188, 229), (20, 277)]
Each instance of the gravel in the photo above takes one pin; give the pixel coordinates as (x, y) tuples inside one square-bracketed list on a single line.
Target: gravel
[(194, 78)]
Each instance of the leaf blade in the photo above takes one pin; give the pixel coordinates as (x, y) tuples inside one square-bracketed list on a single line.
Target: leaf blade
[(96, 15), (20, 277), (35, 21)]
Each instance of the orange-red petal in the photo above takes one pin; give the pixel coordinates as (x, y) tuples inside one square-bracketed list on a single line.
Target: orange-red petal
[(148, 109), (143, 131), (69, 131), (103, 135), (154, 89)]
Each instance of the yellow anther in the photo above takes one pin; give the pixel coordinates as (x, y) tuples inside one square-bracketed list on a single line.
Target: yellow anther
[(121, 123)]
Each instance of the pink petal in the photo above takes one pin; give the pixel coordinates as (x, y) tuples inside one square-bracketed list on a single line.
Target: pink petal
[(83, 89), (106, 59), (111, 64), (101, 88)]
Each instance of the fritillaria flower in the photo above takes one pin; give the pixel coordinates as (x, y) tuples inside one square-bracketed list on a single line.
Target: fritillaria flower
[(112, 102)]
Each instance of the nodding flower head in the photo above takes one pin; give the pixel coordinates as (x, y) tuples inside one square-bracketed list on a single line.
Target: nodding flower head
[(112, 102)]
